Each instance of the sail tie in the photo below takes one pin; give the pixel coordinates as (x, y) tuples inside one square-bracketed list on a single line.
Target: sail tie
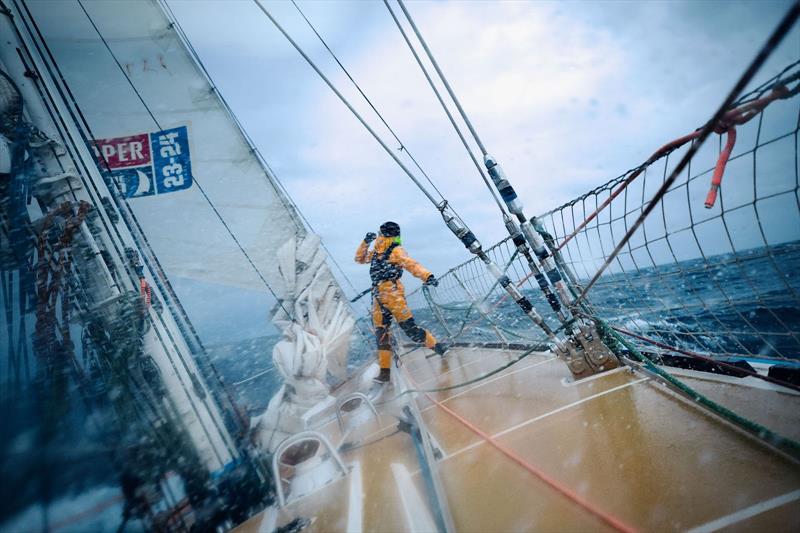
[(452, 120)]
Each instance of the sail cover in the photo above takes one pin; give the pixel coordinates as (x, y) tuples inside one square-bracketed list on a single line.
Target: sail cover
[(169, 143)]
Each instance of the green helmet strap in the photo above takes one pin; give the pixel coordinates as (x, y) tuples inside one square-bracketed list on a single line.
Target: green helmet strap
[(398, 240)]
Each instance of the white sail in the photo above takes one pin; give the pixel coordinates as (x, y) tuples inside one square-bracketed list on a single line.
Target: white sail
[(165, 134), (207, 205)]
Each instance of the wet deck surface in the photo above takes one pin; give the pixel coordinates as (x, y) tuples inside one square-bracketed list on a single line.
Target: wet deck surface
[(625, 444)]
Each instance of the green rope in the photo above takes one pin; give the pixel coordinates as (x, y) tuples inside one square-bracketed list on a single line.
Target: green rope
[(619, 344), (432, 304), (489, 374)]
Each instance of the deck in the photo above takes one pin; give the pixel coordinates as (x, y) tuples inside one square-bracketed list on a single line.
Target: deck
[(616, 451)]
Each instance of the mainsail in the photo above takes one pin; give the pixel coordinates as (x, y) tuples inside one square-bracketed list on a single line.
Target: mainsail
[(192, 178), (209, 207), (127, 170)]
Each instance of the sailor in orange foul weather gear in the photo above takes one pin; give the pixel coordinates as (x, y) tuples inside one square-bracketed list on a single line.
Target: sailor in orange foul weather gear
[(387, 261)]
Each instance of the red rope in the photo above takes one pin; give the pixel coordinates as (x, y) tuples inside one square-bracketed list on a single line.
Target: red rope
[(734, 117), (609, 519), (661, 152), (727, 123), (719, 170), (709, 359), (146, 292)]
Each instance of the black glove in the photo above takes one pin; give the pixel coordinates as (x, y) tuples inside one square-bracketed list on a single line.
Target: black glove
[(432, 281), (369, 237)]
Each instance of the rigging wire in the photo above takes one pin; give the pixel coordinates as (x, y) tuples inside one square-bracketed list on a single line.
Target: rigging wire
[(446, 109), (751, 96), (459, 229), (522, 234), (701, 357), (403, 147), (199, 187), (380, 116), (775, 38), (619, 345), (741, 112), (438, 205), (442, 77)]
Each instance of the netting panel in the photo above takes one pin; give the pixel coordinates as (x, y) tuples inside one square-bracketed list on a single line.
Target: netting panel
[(723, 280)]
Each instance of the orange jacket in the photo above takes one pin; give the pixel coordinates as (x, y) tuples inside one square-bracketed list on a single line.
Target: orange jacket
[(398, 257)]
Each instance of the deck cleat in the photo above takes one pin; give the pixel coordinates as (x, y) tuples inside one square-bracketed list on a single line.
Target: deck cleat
[(585, 353)]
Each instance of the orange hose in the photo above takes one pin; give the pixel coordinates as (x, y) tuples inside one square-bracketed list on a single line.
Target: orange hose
[(719, 170)]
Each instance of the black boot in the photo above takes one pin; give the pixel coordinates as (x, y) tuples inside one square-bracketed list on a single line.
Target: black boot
[(441, 347), (383, 376)]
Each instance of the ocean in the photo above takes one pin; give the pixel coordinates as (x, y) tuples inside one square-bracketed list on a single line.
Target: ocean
[(743, 304)]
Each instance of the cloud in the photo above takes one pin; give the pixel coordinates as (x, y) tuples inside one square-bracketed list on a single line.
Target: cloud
[(565, 95)]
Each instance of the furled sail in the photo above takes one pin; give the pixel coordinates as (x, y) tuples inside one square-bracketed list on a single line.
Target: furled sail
[(316, 334)]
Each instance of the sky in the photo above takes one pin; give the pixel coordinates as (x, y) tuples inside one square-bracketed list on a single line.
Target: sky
[(565, 95)]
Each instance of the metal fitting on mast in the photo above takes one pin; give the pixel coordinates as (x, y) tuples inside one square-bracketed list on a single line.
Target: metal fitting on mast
[(585, 353), (582, 350), (472, 244), (522, 247), (518, 297), (460, 230), (507, 192), (536, 242)]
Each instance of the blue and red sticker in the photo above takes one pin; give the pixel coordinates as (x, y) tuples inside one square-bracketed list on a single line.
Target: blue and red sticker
[(147, 163)]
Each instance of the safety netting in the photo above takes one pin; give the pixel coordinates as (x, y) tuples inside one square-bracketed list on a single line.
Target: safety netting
[(714, 268)]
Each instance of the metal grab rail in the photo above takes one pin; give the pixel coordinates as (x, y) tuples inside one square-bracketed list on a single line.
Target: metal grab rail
[(363, 397), (294, 439)]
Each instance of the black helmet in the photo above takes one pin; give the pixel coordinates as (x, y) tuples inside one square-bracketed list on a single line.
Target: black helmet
[(390, 229)]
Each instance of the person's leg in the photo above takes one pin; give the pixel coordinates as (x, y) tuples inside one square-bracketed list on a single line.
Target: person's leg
[(393, 298), (382, 319)]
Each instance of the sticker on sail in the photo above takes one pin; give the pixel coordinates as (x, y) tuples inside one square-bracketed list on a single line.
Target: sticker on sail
[(148, 163)]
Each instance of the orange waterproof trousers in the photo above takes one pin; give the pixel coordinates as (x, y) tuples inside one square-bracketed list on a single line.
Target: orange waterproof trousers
[(389, 301)]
